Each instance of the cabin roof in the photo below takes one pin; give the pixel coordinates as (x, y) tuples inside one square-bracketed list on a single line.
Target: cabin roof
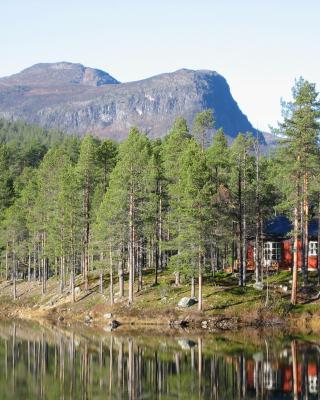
[(279, 227)]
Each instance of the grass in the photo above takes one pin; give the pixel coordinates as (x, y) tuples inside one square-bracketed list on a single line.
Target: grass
[(158, 303)]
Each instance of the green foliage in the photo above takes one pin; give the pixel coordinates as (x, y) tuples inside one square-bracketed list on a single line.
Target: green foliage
[(203, 122), (174, 203)]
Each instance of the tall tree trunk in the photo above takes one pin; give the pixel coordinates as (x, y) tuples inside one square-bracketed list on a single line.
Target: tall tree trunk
[(62, 258), (192, 294), (240, 219), (121, 280), (86, 207), (156, 266), (39, 260), (139, 262), (302, 237), (159, 233), (34, 262), (318, 244), (212, 261), (200, 281), (257, 216), (111, 277), (244, 238), (305, 230), (14, 273), (295, 258), (101, 275), (29, 267), (131, 250), (234, 246), (73, 263), (73, 293), (225, 257), (44, 264), (7, 260)]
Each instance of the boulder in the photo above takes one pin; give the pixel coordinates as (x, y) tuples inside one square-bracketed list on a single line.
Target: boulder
[(258, 286), (186, 302)]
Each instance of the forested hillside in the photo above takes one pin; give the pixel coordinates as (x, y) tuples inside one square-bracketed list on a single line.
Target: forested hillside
[(70, 207)]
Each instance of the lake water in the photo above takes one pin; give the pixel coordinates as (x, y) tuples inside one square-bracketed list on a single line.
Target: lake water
[(43, 362)]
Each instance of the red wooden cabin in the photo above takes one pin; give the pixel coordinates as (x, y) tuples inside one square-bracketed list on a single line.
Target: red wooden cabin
[(278, 245)]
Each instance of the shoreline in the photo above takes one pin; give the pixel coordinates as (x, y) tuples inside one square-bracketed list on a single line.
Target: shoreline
[(155, 308), (187, 321)]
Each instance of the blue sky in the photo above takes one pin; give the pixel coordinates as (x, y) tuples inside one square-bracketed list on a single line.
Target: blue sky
[(260, 47)]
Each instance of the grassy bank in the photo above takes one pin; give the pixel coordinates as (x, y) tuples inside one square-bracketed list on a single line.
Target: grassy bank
[(225, 305)]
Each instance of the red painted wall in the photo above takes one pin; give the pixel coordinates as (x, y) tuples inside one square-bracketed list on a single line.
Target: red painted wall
[(286, 256)]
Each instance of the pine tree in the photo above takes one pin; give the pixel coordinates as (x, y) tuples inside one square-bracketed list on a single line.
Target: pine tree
[(70, 223), (203, 122), (172, 148), (121, 214), (6, 181), (46, 211), (242, 172), (219, 164), (87, 175), (153, 208), (194, 214), (300, 159)]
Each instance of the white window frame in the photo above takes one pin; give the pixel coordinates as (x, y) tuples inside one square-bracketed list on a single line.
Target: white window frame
[(313, 248), (272, 251)]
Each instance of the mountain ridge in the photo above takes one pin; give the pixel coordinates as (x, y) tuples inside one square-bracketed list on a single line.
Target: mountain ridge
[(79, 99)]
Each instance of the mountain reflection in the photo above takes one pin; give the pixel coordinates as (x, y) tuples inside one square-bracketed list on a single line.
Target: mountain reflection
[(38, 362)]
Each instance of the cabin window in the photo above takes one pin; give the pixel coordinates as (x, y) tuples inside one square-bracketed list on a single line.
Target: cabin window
[(272, 251), (313, 248)]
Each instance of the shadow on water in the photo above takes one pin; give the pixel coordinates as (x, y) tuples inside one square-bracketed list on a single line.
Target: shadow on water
[(47, 362)]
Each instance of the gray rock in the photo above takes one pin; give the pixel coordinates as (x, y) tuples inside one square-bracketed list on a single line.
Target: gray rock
[(186, 302), (107, 315), (79, 99), (258, 286)]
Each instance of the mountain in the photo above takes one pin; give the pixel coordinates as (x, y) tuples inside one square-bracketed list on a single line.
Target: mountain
[(77, 99), (58, 74)]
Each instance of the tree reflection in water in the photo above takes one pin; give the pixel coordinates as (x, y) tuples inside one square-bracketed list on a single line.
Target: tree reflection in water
[(42, 363)]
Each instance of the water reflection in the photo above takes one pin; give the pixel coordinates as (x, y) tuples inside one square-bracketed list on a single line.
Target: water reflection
[(41, 363)]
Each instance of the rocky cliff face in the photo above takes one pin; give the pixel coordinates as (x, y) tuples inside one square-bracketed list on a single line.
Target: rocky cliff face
[(73, 98)]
